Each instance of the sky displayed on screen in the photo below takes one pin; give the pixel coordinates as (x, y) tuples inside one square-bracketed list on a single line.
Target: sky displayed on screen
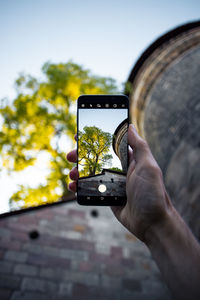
[(105, 119)]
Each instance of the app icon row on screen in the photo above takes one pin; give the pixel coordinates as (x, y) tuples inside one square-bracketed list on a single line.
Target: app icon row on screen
[(103, 105)]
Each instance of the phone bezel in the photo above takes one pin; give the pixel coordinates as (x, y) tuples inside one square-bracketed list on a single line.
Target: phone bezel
[(103, 99)]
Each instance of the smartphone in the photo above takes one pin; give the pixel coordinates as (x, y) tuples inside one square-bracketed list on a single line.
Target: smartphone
[(102, 143)]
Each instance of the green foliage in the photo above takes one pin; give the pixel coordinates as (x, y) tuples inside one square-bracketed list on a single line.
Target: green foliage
[(93, 150), (116, 169), (38, 119)]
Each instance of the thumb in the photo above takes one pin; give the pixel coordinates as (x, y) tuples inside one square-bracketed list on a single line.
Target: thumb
[(139, 146)]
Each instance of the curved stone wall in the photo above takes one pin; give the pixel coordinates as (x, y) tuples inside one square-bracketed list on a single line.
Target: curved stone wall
[(165, 107)]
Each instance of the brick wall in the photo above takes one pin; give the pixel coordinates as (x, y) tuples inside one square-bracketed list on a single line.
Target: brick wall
[(77, 255)]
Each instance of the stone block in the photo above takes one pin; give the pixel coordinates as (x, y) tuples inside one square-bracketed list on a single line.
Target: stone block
[(153, 286), (6, 267), (116, 252), (76, 213), (74, 254), (17, 256), (114, 270), (128, 295), (80, 289), (5, 232), (88, 279), (110, 282), (1, 253), (102, 248), (9, 282), (39, 285), (65, 289), (20, 236), (56, 274), (85, 266), (23, 295), (133, 285), (48, 261), (71, 234), (32, 248), (22, 269), (10, 244)]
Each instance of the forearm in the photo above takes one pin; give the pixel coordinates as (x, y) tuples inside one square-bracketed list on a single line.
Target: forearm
[(177, 254)]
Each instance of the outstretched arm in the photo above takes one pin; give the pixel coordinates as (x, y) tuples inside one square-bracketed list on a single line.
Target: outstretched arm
[(177, 254)]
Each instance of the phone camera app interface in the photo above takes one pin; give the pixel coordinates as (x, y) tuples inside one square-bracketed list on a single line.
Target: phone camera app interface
[(102, 149)]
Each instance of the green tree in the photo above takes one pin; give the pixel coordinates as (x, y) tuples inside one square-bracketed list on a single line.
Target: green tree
[(37, 121), (116, 169), (93, 150)]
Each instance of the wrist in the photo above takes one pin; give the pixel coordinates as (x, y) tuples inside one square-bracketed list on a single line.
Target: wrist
[(161, 231)]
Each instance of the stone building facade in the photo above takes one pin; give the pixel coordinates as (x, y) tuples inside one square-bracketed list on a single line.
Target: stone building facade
[(165, 107), (120, 144), (67, 251), (114, 182)]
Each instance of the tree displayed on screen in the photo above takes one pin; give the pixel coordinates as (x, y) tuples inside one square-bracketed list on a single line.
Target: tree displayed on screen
[(93, 150), (37, 120)]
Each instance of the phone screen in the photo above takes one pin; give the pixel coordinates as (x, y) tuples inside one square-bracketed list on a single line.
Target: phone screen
[(102, 124)]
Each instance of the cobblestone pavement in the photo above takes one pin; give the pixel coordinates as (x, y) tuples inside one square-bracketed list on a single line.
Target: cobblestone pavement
[(81, 253)]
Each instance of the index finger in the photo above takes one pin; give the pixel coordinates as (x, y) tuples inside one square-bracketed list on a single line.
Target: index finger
[(72, 156)]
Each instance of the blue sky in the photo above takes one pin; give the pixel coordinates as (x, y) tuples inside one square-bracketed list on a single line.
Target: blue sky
[(104, 36)]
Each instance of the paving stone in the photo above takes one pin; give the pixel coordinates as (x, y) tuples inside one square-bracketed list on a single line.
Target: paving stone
[(22, 269), (39, 285), (17, 256)]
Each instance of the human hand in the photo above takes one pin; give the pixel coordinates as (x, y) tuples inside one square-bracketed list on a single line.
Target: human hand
[(147, 199)]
